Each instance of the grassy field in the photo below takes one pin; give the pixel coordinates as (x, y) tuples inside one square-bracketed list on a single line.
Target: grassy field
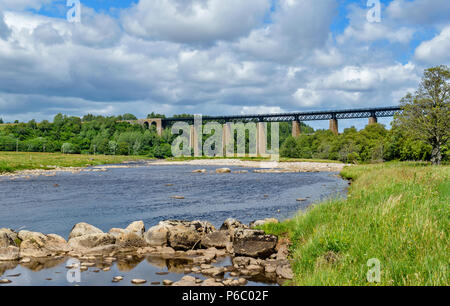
[(398, 213), (15, 161)]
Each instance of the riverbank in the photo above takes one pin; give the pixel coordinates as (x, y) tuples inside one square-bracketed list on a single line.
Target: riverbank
[(396, 213), (269, 166), (35, 164), (11, 162)]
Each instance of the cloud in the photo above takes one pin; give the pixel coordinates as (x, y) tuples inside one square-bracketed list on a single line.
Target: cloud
[(419, 12), (20, 5), (194, 21), (360, 30), (5, 31), (435, 51), (298, 26), (197, 56)]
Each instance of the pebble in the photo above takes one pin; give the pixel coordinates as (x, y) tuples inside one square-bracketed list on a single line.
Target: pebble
[(242, 281), (177, 197), (117, 279), (162, 273), (167, 282), (138, 281), (5, 281)]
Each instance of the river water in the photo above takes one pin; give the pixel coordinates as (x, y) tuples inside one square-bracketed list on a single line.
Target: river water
[(119, 196)]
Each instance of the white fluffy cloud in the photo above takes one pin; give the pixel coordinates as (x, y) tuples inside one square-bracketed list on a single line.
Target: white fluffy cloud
[(207, 56), (437, 50), (298, 26), (194, 21)]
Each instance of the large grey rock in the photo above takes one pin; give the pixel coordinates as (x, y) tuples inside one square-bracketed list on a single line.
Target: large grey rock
[(136, 227), (157, 235), (232, 225), (10, 253), (285, 271), (25, 235), (13, 235), (92, 241), (185, 235), (104, 250), (217, 239), (186, 281), (254, 243), (82, 229), (130, 240), (117, 231), (38, 245), (6, 240)]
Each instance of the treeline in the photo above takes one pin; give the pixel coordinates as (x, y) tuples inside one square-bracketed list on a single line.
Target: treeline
[(374, 143), (88, 135), (98, 135), (107, 135)]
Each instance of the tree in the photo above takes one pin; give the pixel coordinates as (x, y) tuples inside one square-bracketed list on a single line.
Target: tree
[(426, 113), (129, 117), (1, 120)]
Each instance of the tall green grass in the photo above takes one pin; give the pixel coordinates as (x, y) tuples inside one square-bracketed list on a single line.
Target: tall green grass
[(396, 212)]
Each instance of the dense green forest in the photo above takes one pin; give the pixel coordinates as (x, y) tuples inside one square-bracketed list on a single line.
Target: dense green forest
[(107, 135), (374, 143)]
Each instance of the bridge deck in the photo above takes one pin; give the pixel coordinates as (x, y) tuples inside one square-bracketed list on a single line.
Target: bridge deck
[(302, 116)]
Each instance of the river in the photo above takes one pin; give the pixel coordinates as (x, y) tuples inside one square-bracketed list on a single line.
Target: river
[(119, 196)]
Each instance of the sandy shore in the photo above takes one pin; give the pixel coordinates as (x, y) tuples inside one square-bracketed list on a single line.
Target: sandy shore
[(266, 166)]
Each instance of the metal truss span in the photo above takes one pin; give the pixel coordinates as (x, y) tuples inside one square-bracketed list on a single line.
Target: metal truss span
[(378, 112)]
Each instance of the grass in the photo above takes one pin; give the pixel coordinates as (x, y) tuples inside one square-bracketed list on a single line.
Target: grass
[(396, 212), (16, 161)]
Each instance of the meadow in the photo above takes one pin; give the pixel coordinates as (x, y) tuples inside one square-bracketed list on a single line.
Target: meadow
[(16, 161), (397, 213)]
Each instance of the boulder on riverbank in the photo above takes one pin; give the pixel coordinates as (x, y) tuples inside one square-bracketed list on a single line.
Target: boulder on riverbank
[(195, 243), (82, 229), (90, 241), (254, 243)]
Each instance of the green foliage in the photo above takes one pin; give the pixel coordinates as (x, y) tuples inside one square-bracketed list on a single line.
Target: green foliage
[(426, 113), (372, 144), (90, 134), (69, 148)]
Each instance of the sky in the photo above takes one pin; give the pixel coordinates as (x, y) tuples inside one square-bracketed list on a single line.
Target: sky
[(214, 57)]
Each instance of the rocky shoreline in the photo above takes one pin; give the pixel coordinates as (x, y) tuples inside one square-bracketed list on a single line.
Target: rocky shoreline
[(197, 244), (260, 167)]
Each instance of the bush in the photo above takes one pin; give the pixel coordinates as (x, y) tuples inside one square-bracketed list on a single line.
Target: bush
[(70, 148)]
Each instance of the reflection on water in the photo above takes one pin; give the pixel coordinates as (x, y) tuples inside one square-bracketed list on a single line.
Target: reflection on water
[(45, 272)]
